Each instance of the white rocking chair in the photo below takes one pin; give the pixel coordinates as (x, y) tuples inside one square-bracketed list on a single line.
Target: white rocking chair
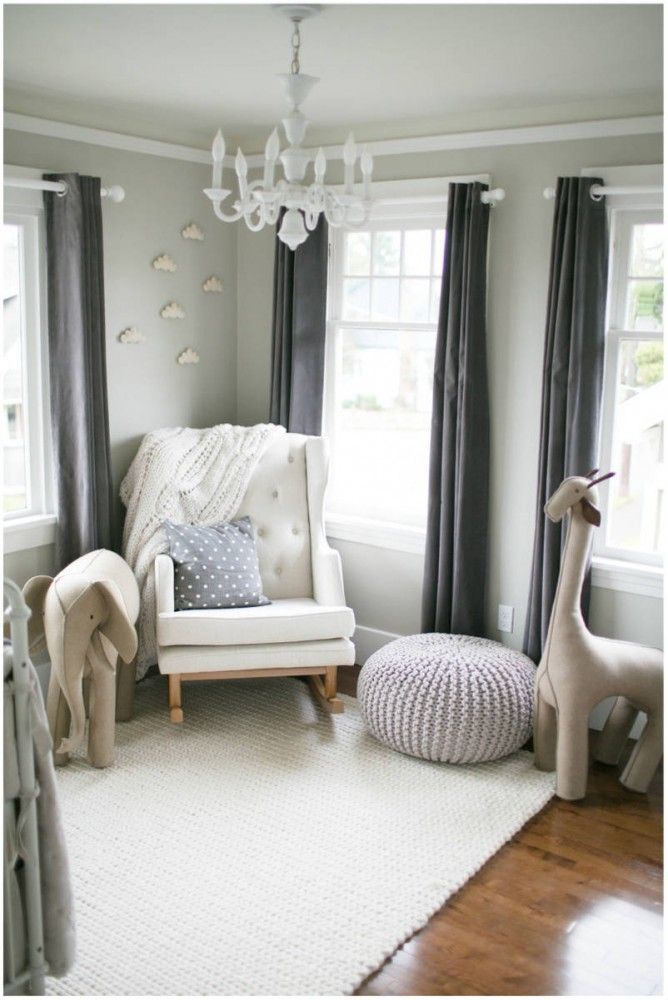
[(306, 629)]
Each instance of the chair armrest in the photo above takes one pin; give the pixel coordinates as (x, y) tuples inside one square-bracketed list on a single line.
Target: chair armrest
[(164, 584), (325, 561), (327, 575)]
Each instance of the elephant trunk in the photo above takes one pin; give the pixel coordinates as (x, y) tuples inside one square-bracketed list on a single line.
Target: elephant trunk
[(68, 638)]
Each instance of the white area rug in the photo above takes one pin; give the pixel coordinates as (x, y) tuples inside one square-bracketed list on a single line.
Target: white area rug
[(265, 848)]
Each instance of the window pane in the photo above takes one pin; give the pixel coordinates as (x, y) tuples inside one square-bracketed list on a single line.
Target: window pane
[(386, 253), (435, 301), (644, 305), (417, 251), (647, 251), (381, 424), (357, 253), (637, 491), (14, 438), (385, 299), (356, 298), (439, 250), (415, 300)]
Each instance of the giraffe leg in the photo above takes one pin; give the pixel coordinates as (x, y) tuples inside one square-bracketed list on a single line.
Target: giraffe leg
[(544, 734), (615, 732), (646, 755), (572, 751)]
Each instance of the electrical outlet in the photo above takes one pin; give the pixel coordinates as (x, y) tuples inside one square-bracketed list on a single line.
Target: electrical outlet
[(505, 619)]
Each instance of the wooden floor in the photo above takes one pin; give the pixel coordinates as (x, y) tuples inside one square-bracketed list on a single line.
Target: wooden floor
[(572, 905)]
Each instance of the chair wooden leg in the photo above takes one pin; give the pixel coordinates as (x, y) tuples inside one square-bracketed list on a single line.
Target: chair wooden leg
[(175, 710), (324, 689)]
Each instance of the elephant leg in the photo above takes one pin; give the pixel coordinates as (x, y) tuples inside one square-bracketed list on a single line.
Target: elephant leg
[(125, 690), (544, 734), (615, 732), (102, 722), (646, 756), (85, 690), (102, 705), (572, 751), (59, 717)]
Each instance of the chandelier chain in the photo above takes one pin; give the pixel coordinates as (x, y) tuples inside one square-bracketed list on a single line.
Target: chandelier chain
[(296, 42)]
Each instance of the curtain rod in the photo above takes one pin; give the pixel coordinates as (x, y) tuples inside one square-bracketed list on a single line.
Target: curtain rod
[(114, 193), (486, 197), (599, 191)]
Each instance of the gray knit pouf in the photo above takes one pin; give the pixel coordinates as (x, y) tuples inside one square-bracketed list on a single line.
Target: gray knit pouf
[(452, 698)]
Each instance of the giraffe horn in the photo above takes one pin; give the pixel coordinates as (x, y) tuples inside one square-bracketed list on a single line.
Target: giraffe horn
[(601, 479)]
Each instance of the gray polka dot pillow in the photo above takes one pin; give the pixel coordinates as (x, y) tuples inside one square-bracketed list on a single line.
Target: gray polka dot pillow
[(215, 566)]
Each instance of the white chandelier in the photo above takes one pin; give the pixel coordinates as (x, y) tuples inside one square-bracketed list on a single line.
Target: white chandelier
[(260, 201)]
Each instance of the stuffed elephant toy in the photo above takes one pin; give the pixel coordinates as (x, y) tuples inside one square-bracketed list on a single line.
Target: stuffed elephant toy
[(86, 618)]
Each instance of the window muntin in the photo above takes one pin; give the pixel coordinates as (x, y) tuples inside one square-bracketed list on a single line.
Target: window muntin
[(384, 295), (634, 394)]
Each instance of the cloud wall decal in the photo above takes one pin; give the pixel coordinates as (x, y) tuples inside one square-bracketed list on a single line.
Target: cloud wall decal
[(212, 284), (188, 357), (164, 263), (131, 336), (192, 232), (173, 311)]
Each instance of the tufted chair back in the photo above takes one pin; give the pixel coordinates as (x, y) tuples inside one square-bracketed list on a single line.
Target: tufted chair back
[(277, 501)]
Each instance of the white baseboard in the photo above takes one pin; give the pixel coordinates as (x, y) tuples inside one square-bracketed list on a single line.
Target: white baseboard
[(369, 640)]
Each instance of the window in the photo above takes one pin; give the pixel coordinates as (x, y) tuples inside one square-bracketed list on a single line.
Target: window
[(634, 393), (383, 299), (25, 442)]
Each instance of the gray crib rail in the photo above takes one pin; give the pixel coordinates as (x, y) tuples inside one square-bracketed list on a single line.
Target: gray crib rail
[(31, 968)]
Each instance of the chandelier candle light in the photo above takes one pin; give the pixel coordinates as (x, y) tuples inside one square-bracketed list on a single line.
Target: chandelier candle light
[(260, 201)]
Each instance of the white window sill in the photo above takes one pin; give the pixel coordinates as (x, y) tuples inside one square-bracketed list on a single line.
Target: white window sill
[(29, 532), (382, 534), (628, 577)]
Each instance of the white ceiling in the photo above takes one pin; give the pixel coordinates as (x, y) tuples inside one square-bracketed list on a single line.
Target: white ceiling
[(178, 71)]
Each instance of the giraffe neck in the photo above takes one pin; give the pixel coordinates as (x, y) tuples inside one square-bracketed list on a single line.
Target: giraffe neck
[(573, 565)]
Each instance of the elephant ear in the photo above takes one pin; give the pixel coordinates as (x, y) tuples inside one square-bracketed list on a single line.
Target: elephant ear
[(117, 627), (34, 594)]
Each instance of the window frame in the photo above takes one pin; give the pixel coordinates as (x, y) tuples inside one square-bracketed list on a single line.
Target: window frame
[(622, 221), (34, 526), (404, 205)]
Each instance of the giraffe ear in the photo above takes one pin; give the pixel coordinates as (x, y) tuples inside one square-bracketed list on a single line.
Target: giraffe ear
[(591, 514)]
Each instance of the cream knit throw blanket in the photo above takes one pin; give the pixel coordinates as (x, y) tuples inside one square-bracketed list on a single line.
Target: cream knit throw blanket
[(190, 477)]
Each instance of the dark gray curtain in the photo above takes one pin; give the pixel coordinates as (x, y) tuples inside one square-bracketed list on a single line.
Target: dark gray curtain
[(79, 413), (572, 380), (453, 598), (299, 322)]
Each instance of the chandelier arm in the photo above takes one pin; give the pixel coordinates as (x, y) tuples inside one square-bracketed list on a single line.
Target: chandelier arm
[(234, 217), (254, 226)]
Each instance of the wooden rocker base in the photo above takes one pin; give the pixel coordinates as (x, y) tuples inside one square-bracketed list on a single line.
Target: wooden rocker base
[(325, 692), (322, 681)]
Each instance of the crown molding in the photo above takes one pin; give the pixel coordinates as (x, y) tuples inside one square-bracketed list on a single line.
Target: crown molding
[(524, 135), (112, 140), (604, 128)]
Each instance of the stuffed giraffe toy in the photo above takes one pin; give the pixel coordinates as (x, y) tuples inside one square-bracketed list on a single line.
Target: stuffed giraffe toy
[(578, 670)]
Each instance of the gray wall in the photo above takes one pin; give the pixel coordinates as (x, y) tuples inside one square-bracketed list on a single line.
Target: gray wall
[(383, 586), (147, 389)]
